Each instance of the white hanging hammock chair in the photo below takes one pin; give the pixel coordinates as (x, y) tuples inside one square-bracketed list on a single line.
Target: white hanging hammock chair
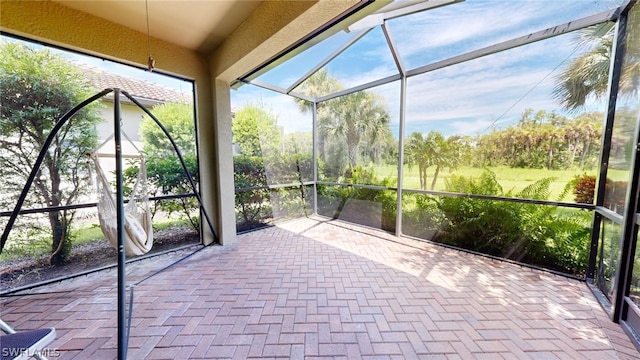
[(138, 230)]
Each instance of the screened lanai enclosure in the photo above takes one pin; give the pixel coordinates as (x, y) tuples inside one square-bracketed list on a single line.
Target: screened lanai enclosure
[(508, 129), (504, 128)]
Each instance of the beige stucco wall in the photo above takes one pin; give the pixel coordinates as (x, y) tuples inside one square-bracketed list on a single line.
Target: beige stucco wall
[(58, 25), (131, 119)]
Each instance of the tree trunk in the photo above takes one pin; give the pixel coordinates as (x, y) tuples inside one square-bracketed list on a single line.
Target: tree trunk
[(59, 233), (435, 177), (422, 170), (320, 150), (353, 155), (550, 158), (57, 219), (585, 150)]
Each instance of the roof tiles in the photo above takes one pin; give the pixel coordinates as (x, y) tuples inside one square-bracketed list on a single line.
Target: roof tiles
[(140, 89)]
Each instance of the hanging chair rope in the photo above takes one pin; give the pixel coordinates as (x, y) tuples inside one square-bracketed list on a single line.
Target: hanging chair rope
[(138, 236)]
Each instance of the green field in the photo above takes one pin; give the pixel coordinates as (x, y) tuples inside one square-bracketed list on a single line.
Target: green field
[(21, 244), (514, 179)]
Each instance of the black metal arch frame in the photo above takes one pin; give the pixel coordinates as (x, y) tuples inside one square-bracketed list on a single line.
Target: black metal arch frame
[(122, 331)]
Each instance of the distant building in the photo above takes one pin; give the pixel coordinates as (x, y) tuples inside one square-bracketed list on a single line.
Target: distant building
[(147, 93)]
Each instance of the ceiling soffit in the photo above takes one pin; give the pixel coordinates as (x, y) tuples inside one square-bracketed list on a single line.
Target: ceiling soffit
[(196, 25)]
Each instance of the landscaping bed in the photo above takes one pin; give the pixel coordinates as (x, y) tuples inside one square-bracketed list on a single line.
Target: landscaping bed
[(84, 257)]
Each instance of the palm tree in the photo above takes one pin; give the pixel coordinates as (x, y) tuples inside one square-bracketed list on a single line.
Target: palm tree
[(453, 149), (588, 74), (353, 118), (360, 116), (444, 153), (438, 153), (433, 150), (319, 84), (417, 151)]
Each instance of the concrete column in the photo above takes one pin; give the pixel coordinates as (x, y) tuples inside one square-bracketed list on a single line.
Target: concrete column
[(224, 182)]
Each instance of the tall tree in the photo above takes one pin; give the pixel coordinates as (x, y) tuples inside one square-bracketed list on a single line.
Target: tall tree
[(582, 135), (438, 153), (416, 153), (434, 150), (356, 117), (256, 132), (36, 89), (588, 74), (544, 140), (178, 119), (453, 152), (358, 121), (319, 84), (164, 170)]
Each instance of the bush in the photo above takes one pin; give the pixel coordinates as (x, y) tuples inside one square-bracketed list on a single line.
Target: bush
[(252, 206), (615, 195), (257, 205), (584, 187), (166, 176), (332, 200), (30, 239), (471, 223), (288, 168), (540, 235), (421, 216)]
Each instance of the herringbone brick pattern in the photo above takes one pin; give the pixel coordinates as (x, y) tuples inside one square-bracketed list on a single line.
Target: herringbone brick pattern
[(317, 289)]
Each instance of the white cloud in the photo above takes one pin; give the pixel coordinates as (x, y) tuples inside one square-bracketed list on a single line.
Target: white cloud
[(283, 106), (379, 72), (497, 87), (470, 127), (472, 24), (469, 97)]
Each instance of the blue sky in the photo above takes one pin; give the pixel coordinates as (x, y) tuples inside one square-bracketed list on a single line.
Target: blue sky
[(467, 98), (463, 99)]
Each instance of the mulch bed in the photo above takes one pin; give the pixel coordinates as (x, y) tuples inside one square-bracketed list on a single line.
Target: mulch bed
[(99, 253)]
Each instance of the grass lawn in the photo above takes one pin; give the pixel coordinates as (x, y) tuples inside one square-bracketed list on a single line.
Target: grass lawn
[(511, 179), (89, 233), (85, 234)]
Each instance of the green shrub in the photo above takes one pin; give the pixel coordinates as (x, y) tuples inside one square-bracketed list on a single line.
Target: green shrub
[(615, 195), (421, 216), (473, 224), (288, 168), (166, 176), (252, 206), (257, 205), (29, 240), (333, 199), (540, 235)]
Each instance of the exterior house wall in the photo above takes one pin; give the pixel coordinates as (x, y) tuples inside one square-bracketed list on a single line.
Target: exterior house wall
[(131, 119)]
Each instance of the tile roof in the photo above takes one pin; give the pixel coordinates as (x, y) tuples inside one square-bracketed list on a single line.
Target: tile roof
[(140, 89)]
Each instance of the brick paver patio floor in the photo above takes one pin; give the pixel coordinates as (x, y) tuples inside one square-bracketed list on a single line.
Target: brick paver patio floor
[(313, 288)]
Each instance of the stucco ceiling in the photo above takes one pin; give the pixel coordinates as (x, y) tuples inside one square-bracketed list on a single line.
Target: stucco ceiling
[(194, 24)]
